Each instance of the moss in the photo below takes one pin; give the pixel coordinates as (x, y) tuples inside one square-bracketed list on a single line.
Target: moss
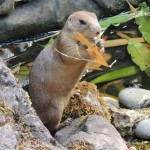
[(82, 120), (141, 145), (80, 145), (30, 141), (27, 142), (78, 107), (6, 110)]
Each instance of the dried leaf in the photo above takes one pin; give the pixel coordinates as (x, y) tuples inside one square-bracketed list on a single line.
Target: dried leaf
[(16, 69), (92, 50), (123, 35), (132, 8), (96, 66)]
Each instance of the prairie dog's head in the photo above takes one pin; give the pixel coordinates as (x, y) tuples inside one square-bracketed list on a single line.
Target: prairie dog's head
[(85, 23)]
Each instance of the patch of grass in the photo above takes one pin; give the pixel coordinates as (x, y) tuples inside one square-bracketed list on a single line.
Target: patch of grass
[(141, 145)]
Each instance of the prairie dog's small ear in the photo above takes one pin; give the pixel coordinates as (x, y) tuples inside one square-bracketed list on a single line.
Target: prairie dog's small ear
[(93, 15), (72, 22)]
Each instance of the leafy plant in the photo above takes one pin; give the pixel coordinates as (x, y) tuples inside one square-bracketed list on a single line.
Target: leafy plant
[(144, 26), (116, 20), (140, 52)]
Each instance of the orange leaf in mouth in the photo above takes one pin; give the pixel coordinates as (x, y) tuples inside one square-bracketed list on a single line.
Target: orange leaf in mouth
[(92, 50)]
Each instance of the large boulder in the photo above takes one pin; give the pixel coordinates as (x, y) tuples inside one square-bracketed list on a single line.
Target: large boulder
[(93, 132), (38, 17)]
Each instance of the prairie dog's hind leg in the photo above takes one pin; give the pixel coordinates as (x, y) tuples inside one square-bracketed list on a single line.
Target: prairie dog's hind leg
[(53, 117)]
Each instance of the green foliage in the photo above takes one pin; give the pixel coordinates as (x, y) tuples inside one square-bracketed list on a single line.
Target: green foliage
[(141, 145), (82, 120), (144, 26), (24, 71), (140, 54), (143, 7), (120, 73), (48, 43), (143, 21), (124, 17)]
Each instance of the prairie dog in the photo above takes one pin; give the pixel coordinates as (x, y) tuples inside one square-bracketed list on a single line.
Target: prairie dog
[(53, 75)]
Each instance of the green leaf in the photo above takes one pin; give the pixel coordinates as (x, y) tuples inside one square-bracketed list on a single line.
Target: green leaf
[(146, 36), (140, 54), (144, 7), (120, 73), (24, 71), (121, 18), (144, 26), (48, 43), (147, 71)]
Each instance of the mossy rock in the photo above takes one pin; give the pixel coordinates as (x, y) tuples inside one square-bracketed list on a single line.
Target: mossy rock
[(88, 102)]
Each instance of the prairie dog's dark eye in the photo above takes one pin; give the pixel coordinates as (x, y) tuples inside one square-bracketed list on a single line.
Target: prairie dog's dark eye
[(82, 22)]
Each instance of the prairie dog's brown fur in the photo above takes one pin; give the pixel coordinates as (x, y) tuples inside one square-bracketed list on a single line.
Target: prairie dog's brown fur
[(53, 75)]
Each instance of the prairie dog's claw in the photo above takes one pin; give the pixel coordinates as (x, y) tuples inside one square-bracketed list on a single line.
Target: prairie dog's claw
[(100, 45), (76, 93), (67, 122)]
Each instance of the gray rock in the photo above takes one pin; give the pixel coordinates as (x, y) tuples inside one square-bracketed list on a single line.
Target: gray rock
[(8, 138), (135, 98), (143, 129), (7, 53), (6, 6), (24, 124), (125, 120), (39, 16), (95, 133), (114, 5)]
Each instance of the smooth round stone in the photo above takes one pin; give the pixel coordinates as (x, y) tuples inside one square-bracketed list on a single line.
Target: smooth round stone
[(143, 129), (134, 98), (111, 102)]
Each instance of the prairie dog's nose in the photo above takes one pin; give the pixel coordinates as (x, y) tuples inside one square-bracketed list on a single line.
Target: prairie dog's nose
[(95, 28)]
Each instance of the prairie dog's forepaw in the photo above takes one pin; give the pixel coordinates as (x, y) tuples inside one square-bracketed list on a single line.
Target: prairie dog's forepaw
[(100, 45), (67, 122), (75, 93)]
